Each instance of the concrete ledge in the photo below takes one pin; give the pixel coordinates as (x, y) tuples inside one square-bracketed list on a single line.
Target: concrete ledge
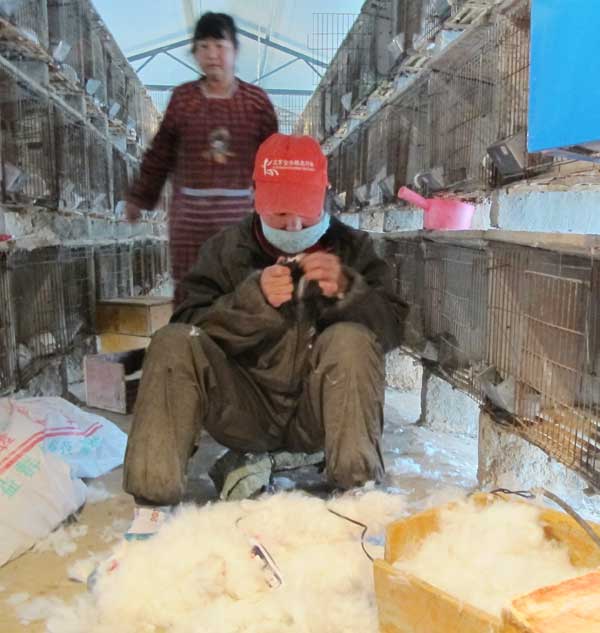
[(403, 372), (446, 409), (507, 460)]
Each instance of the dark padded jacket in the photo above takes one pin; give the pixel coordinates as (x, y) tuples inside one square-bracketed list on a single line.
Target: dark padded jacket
[(226, 302)]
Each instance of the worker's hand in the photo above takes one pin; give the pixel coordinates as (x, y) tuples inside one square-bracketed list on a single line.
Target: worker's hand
[(276, 285), (132, 212), (326, 270)]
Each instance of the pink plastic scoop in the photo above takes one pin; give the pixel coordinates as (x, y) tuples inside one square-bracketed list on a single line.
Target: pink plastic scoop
[(441, 213)]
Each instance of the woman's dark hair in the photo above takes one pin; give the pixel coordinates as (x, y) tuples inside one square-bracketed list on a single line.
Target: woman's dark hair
[(219, 26)]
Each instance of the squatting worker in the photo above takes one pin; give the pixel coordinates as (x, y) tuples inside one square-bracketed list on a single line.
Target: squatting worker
[(248, 360), (207, 142)]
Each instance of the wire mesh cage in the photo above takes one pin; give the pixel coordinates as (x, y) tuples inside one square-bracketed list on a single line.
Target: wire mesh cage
[(350, 166), (308, 122), (362, 72), (407, 135), (328, 32), (165, 264), (97, 150), (289, 107), (27, 143), (544, 318), (463, 122), (116, 88), (120, 177), (455, 309), (30, 16), (515, 327), (124, 254), (39, 309), (513, 31), (76, 266), (406, 258), (72, 161), (377, 155), (67, 38), (142, 267), (352, 71), (160, 98), (408, 25), (134, 114), (466, 116), (150, 120), (361, 162), (113, 268), (433, 15), (94, 59), (8, 347)]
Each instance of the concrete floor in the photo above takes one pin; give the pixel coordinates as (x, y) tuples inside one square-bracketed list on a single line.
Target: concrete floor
[(420, 463)]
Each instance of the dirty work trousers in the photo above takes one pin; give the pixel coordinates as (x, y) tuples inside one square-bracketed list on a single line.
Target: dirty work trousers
[(189, 384)]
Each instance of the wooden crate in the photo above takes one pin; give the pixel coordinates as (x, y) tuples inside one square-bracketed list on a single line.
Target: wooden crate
[(137, 316), (572, 606), (407, 604), (112, 380)]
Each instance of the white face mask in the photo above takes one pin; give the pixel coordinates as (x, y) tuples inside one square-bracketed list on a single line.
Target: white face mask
[(293, 242)]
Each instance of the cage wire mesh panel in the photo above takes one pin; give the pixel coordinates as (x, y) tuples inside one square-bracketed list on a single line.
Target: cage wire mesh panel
[(556, 388), (124, 273), (474, 97), (37, 293), (120, 177), (433, 15), (515, 327), (94, 60), (462, 117), (73, 170), (407, 137), (328, 32), (350, 165), (107, 271), (66, 37), (408, 269), (160, 98), (29, 16), (288, 108), (409, 22), (76, 265), (27, 144), (97, 151), (149, 120), (513, 35), (138, 268), (8, 347), (454, 297)]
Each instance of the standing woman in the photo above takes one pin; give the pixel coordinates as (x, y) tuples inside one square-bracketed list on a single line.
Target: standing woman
[(207, 142)]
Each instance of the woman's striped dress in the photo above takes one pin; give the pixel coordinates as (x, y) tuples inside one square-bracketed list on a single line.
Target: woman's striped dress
[(207, 145)]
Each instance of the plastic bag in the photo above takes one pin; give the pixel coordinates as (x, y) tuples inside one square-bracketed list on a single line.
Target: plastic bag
[(46, 445)]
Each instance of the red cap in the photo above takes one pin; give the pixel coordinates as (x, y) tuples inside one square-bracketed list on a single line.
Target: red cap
[(290, 176)]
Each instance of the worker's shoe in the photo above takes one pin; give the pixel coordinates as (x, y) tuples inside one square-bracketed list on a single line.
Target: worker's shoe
[(244, 475), (147, 520), (241, 475)]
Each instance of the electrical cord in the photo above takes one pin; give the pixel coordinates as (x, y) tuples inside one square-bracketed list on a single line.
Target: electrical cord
[(569, 510), (362, 536), (525, 494)]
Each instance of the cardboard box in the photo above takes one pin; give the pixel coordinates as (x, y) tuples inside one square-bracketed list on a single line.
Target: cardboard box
[(137, 316), (407, 604), (112, 380)]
